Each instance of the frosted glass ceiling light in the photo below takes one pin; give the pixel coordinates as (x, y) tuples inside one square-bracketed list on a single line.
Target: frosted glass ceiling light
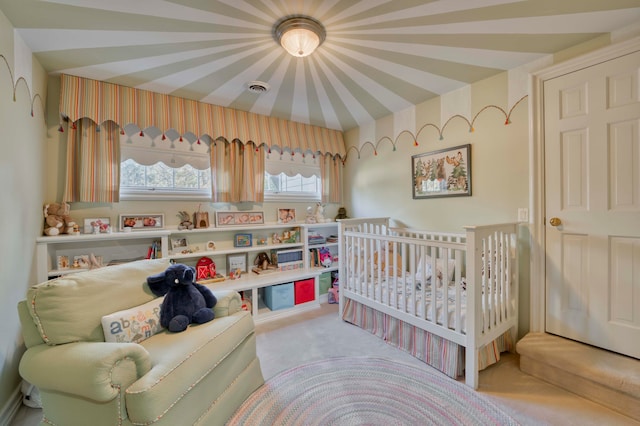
[(299, 36)]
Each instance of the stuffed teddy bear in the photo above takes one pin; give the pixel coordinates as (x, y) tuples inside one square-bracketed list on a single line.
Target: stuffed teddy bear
[(57, 220), (185, 301)]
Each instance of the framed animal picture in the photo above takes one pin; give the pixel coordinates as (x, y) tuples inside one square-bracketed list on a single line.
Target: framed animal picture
[(443, 173)]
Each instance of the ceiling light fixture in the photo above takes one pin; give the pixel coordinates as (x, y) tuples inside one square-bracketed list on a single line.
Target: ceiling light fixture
[(299, 35)]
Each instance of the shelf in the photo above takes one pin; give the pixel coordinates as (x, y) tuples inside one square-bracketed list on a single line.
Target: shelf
[(217, 252), (311, 246), (134, 235), (136, 243), (237, 228), (250, 280), (60, 272), (333, 267)]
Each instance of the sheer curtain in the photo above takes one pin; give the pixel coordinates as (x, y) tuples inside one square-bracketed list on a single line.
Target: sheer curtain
[(237, 172), (93, 162)]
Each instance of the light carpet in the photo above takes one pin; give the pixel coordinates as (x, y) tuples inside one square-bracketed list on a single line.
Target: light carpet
[(365, 391)]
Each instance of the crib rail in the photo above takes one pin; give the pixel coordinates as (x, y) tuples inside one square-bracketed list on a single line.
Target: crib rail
[(398, 273), (493, 277)]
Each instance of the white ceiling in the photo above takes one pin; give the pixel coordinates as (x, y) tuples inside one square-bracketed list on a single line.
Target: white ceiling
[(379, 57)]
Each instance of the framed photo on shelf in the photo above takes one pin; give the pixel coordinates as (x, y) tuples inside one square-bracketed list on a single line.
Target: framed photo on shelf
[(62, 262), (81, 261), (97, 225), (141, 222), (179, 244), (242, 240), (443, 173), (286, 215), (239, 218), (237, 261)]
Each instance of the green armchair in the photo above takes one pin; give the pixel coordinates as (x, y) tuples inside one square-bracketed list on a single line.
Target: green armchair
[(199, 376)]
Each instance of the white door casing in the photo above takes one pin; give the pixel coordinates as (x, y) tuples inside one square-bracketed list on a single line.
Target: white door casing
[(591, 168)]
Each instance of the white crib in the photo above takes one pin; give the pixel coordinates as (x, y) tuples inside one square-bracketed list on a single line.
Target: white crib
[(449, 299)]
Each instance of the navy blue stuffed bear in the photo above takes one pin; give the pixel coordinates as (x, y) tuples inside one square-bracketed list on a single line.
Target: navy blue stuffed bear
[(185, 301)]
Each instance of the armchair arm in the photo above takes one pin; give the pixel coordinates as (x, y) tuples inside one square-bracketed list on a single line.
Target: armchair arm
[(229, 301), (94, 370)]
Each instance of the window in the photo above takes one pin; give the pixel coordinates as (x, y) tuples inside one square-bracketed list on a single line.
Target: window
[(291, 177), (156, 169)]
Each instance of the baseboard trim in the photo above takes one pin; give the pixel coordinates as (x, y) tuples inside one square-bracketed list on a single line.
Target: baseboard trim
[(11, 407)]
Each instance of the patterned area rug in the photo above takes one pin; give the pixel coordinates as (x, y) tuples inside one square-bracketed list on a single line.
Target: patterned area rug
[(366, 391)]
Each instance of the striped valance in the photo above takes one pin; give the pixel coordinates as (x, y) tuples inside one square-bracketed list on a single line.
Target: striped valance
[(101, 101)]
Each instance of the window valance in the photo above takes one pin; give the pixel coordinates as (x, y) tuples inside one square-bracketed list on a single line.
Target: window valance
[(101, 101)]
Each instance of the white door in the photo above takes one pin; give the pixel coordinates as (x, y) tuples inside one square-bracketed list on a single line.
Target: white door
[(592, 190)]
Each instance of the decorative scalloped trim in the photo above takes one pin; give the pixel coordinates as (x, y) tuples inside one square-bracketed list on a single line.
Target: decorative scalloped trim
[(440, 131), (15, 82)]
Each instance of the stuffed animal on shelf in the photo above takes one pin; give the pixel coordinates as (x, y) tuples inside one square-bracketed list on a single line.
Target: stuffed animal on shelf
[(262, 261), (319, 214), (325, 257), (342, 214), (185, 301), (185, 221), (57, 220)]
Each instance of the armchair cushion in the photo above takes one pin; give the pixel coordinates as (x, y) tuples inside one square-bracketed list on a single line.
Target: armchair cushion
[(70, 308)]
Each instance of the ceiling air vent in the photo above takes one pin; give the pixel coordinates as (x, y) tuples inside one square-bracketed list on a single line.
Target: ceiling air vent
[(258, 87)]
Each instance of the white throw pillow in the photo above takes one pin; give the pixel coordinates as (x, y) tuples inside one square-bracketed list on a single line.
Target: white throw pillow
[(439, 266), (133, 325)]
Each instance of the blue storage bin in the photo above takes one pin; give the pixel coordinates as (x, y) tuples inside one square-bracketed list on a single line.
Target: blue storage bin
[(279, 296)]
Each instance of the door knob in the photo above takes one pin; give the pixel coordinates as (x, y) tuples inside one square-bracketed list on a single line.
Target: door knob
[(554, 221)]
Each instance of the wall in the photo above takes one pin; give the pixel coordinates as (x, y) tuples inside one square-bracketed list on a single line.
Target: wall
[(22, 172), (381, 182)]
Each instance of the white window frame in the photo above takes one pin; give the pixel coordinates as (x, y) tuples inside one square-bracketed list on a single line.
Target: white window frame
[(148, 151), (292, 165)]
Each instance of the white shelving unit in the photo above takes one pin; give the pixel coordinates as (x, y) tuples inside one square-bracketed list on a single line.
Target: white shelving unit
[(112, 247), (134, 245)]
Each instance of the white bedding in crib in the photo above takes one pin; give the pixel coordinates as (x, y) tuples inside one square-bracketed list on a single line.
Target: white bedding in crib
[(404, 293)]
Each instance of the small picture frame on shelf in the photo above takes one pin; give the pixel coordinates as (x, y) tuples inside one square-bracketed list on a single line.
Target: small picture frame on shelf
[(179, 244), (242, 240), (81, 261), (62, 262), (286, 215), (239, 218), (237, 261), (97, 225), (141, 222)]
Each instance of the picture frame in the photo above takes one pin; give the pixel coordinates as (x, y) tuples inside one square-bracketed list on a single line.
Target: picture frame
[(179, 244), (286, 215), (442, 173), (101, 224), (141, 221), (81, 261), (237, 261), (242, 240), (62, 262), (239, 218)]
